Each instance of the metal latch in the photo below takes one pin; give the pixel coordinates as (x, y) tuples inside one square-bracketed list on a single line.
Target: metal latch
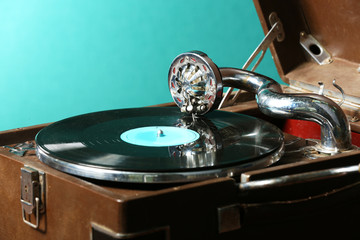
[(32, 195)]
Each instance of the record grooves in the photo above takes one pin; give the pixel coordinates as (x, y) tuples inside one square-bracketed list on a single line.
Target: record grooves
[(90, 145)]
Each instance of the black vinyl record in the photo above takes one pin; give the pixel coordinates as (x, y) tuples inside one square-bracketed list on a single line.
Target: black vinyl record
[(91, 145)]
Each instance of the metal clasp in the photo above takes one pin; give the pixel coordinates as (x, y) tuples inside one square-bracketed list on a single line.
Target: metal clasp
[(32, 195)]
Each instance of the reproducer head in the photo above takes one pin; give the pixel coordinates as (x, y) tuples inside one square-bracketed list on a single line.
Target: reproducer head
[(195, 83)]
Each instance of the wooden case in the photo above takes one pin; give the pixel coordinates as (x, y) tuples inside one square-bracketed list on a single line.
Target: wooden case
[(78, 208)]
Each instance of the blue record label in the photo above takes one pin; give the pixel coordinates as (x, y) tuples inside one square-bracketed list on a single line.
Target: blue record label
[(159, 136)]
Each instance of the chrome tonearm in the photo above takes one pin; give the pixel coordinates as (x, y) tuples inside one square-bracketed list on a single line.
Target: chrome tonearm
[(196, 85)]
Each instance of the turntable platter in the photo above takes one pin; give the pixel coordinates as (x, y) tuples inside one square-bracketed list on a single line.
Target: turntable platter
[(97, 145)]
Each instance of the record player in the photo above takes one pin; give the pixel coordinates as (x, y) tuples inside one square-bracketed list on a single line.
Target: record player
[(217, 163)]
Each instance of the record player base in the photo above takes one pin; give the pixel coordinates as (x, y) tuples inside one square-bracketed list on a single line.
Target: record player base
[(78, 208)]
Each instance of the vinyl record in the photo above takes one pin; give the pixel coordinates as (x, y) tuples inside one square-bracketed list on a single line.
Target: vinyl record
[(158, 145)]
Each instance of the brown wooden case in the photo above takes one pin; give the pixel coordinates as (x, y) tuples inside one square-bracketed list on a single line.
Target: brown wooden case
[(78, 208)]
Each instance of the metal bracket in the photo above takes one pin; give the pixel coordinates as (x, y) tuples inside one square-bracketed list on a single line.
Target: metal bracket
[(32, 195), (314, 49), (276, 32)]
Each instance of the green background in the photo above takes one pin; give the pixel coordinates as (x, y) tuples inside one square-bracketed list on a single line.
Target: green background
[(63, 58)]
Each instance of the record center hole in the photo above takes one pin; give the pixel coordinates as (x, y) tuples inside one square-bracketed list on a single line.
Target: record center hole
[(315, 49)]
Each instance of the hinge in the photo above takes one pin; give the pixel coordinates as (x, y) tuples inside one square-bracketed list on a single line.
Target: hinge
[(32, 195)]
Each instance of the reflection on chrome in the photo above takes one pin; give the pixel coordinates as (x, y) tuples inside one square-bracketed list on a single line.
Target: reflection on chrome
[(335, 128), (202, 152)]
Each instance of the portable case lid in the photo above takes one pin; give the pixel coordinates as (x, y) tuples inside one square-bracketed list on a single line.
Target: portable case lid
[(323, 27)]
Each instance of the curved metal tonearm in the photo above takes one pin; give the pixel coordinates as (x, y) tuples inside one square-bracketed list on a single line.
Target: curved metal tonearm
[(196, 85)]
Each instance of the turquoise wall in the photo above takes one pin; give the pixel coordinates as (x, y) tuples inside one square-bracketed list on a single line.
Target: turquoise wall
[(68, 57)]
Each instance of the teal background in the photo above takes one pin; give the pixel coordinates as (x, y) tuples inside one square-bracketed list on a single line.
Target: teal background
[(69, 57)]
